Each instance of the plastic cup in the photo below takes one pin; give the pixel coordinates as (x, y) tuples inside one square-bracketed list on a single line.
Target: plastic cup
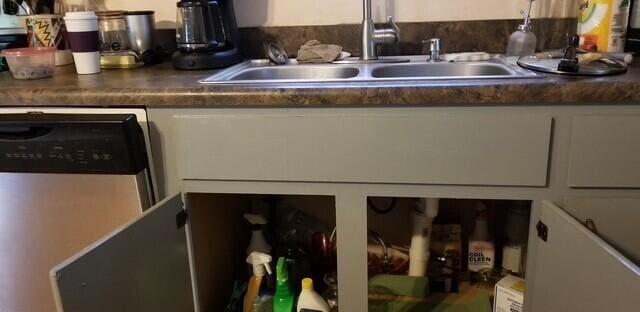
[(82, 30), (48, 31)]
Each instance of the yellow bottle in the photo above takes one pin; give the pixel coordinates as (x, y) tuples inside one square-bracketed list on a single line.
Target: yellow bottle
[(260, 262), (603, 25)]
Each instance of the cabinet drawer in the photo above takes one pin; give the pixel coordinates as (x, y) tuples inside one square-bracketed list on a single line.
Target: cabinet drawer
[(605, 152), (463, 149)]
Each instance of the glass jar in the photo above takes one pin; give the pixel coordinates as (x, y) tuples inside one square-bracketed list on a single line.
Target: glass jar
[(112, 31)]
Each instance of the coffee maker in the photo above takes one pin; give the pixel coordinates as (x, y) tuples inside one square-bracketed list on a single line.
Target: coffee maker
[(206, 35)]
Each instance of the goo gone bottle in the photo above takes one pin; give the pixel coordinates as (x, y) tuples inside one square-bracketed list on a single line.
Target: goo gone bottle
[(481, 248)]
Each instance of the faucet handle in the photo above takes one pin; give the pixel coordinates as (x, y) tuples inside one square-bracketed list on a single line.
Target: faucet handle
[(393, 24)]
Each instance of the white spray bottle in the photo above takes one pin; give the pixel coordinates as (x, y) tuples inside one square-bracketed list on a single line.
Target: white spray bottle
[(422, 219), (258, 242), (261, 264)]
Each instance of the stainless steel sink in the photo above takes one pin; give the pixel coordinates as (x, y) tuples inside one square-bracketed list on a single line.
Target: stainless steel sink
[(300, 72), (261, 72), (442, 70)]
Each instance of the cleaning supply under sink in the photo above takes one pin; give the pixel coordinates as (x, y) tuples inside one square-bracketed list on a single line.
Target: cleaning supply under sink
[(258, 242), (422, 217), (481, 248), (309, 300), (261, 265), (283, 298)]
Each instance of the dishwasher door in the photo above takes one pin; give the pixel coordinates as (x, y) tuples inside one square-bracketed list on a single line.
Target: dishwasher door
[(65, 181)]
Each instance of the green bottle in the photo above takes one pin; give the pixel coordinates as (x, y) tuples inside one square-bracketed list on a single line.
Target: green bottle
[(283, 299)]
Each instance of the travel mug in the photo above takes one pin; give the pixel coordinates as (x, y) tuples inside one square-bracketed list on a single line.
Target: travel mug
[(82, 31), (49, 31)]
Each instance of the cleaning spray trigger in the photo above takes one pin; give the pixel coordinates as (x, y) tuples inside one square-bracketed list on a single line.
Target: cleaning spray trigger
[(260, 262)]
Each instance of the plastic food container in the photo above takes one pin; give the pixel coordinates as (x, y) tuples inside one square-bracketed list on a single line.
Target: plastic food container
[(31, 63)]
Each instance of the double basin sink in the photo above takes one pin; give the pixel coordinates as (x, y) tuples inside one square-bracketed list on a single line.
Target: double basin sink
[(260, 72)]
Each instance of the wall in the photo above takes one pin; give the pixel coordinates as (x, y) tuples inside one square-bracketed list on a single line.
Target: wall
[(251, 13)]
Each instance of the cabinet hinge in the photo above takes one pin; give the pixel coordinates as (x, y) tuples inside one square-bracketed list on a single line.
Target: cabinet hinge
[(543, 231), (181, 219), (591, 225)]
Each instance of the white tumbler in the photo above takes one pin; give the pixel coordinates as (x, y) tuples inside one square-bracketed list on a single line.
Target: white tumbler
[(82, 30)]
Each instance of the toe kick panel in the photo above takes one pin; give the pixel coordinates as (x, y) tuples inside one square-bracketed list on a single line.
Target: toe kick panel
[(456, 149)]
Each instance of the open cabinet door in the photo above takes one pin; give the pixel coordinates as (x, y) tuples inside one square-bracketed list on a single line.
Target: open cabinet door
[(143, 266), (576, 271)]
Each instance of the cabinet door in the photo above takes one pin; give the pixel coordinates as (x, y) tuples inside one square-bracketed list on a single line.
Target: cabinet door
[(143, 266), (575, 270), (613, 218)]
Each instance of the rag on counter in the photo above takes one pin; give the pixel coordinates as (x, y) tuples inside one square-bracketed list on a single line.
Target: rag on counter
[(316, 52)]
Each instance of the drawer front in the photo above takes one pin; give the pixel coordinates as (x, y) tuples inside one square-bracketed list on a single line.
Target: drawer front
[(605, 152), (462, 149)]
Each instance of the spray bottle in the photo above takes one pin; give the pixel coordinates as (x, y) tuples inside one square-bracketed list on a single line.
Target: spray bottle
[(260, 263), (422, 217), (258, 242), (283, 299)]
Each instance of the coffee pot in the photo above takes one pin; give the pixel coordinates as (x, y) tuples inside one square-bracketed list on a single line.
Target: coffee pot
[(206, 35)]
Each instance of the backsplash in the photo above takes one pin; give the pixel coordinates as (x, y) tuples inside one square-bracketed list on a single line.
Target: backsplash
[(459, 36)]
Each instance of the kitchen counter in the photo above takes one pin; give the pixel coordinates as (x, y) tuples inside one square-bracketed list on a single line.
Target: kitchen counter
[(162, 86)]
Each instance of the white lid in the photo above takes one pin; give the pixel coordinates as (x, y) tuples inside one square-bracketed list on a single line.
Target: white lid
[(80, 15)]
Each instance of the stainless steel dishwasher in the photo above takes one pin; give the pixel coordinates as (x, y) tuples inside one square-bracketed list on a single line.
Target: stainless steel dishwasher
[(66, 180)]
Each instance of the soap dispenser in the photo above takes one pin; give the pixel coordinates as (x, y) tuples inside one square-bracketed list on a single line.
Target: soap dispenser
[(523, 41), (261, 264)]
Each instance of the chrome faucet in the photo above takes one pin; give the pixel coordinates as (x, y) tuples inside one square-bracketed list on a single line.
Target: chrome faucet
[(371, 36)]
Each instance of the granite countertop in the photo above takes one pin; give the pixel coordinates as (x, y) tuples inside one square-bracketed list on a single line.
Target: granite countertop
[(162, 86)]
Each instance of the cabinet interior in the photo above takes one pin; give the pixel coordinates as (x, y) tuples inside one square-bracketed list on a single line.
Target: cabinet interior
[(390, 223), (221, 235)]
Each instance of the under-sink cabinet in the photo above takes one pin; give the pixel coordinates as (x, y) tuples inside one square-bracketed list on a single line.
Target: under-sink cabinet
[(185, 253)]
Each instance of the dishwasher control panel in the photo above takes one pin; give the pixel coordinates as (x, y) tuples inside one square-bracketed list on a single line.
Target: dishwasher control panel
[(71, 143)]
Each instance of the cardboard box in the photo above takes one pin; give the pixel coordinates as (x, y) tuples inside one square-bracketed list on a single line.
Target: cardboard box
[(509, 295)]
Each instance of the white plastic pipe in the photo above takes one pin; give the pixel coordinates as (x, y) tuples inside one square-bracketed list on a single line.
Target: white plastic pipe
[(422, 219)]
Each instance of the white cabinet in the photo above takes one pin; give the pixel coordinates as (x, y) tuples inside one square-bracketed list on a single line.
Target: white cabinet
[(142, 266), (490, 153), (605, 152), (575, 270), (148, 265)]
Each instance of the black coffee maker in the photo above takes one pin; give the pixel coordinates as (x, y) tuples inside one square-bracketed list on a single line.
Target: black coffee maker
[(206, 34)]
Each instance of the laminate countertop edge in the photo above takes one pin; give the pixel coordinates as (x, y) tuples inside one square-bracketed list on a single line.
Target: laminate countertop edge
[(161, 86)]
